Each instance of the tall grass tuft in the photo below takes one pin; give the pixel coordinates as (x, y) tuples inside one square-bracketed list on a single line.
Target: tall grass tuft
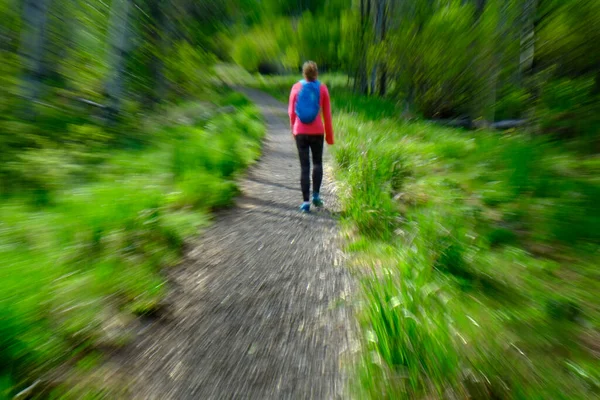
[(409, 341)]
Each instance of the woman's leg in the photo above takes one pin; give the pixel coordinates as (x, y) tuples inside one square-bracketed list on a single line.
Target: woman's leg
[(316, 147), (303, 145)]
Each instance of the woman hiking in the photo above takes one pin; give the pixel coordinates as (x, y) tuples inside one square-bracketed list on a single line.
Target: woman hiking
[(309, 105)]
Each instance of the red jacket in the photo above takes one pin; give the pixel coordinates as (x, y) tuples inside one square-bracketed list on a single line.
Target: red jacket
[(316, 127)]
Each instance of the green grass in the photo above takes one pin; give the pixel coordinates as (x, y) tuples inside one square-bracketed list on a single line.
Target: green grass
[(78, 266), (501, 226), (477, 253)]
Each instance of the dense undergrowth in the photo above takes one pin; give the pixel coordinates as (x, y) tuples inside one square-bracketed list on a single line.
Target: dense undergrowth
[(85, 231), (477, 252), (481, 251)]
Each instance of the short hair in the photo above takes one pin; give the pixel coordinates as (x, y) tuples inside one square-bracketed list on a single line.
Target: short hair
[(310, 71)]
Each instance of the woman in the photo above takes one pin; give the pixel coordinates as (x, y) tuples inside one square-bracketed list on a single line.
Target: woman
[(309, 105)]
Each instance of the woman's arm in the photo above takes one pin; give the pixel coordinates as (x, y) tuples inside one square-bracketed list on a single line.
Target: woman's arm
[(327, 116), (292, 107)]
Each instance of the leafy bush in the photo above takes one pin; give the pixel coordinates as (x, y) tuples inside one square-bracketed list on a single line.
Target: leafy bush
[(189, 69), (205, 191), (255, 48), (317, 38), (445, 75), (512, 103), (77, 268), (500, 222), (567, 110), (291, 59), (499, 236)]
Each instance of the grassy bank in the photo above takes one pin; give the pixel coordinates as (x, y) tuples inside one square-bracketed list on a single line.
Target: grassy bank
[(477, 254), (82, 257)]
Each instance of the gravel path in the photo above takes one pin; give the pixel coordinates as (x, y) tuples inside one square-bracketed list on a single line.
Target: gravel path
[(257, 310)]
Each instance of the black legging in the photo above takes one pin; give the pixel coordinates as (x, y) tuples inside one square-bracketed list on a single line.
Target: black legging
[(314, 143)]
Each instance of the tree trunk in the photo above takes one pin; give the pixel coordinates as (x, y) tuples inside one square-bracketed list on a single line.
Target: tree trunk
[(496, 55), (532, 81), (382, 66), (33, 40), (159, 36), (383, 81), (118, 40), (379, 5), (363, 83), (487, 70), (527, 39), (62, 27), (357, 77), (373, 83)]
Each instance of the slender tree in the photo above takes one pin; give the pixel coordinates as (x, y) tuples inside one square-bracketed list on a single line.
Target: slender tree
[(383, 67), (118, 44), (379, 6), (361, 82), (527, 38), (159, 32), (33, 44)]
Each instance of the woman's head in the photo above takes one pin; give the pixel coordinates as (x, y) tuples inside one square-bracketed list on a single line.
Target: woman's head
[(310, 71)]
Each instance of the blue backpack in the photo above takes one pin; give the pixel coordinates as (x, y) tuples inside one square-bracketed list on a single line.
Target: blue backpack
[(308, 101)]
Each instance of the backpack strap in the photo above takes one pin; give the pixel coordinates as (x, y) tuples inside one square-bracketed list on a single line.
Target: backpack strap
[(304, 82)]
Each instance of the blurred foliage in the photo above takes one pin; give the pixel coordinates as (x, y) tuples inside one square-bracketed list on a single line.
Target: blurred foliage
[(478, 258), (82, 255), (116, 141), (479, 60)]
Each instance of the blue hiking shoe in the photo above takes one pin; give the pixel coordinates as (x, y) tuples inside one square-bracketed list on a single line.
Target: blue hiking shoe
[(317, 202), (305, 207)]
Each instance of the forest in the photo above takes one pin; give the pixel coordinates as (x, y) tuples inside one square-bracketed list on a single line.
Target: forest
[(466, 159)]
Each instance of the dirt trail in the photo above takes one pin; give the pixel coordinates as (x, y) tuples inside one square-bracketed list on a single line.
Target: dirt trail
[(257, 308)]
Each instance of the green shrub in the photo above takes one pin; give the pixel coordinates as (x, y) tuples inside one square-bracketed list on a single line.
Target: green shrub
[(503, 223), (88, 135), (511, 103), (453, 148), (291, 59), (500, 236), (521, 158), (190, 69), (205, 191), (190, 154), (345, 155), (370, 204), (88, 258), (409, 343), (40, 172), (575, 217), (236, 99), (255, 48), (568, 111)]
